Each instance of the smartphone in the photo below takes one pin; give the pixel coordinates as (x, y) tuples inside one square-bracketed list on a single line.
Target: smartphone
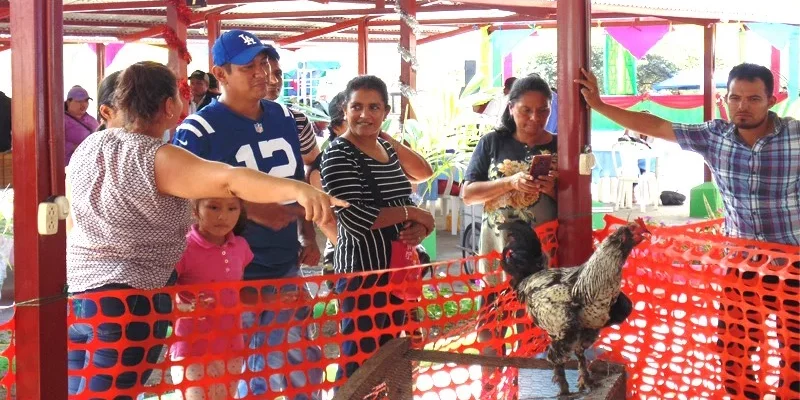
[(540, 165)]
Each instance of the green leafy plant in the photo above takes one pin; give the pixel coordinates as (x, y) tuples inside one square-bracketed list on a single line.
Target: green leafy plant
[(445, 128)]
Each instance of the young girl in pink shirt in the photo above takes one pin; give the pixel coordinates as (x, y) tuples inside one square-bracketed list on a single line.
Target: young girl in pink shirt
[(214, 253)]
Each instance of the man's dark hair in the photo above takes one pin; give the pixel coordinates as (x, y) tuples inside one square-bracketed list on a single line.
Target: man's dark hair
[(142, 89), (369, 82), (336, 109), (751, 72)]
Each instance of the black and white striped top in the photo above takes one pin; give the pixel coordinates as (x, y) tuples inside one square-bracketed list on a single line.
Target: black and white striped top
[(304, 130), (360, 248)]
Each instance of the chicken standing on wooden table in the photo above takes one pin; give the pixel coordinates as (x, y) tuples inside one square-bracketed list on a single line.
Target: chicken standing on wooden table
[(570, 304)]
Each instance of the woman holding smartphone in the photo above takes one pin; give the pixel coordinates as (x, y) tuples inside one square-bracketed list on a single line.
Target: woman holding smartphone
[(513, 170)]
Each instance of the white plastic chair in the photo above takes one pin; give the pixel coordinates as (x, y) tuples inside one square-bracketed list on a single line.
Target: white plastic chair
[(626, 156)]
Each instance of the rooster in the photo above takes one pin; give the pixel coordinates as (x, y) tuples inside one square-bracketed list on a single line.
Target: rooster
[(570, 304)]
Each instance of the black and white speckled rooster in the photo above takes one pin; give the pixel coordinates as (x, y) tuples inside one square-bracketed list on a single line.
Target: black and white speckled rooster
[(570, 304)]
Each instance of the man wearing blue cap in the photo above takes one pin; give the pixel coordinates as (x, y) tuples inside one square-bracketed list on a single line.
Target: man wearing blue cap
[(241, 129)]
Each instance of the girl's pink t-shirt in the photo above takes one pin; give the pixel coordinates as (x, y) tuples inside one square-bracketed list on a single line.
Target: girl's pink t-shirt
[(206, 262)]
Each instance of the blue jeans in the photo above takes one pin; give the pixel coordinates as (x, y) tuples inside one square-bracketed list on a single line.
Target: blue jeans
[(350, 287), (110, 332), (275, 359)]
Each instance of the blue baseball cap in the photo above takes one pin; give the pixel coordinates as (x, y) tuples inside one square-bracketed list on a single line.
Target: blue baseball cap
[(240, 47)]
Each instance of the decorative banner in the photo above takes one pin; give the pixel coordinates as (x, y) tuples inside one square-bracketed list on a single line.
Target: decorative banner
[(485, 58), (794, 66), (638, 39), (620, 69), (508, 66), (502, 42), (781, 35), (112, 49), (778, 35)]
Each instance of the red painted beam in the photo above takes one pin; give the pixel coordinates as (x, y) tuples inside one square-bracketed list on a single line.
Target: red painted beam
[(147, 33), (408, 75), (363, 42), (319, 32), (214, 27), (709, 59), (100, 52), (445, 35), (775, 67), (38, 164), (341, 12), (574, 193), (177, 64), (121, 5)]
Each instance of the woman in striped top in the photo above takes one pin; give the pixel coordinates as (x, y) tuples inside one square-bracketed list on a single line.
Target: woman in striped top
[(367, 228), (373, 172)]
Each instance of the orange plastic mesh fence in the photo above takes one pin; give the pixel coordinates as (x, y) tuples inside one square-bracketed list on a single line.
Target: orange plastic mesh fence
[(713, 317)]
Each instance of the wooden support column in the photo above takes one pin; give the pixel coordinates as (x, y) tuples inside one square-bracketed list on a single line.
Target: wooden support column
[(709, 58), (38, 142), (775, 67), (176, 63), (214, 28), (363, 42), (100, 51), (574, 193), (408, 40)]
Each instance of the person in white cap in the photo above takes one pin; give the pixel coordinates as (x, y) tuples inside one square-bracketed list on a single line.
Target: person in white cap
[(78, 124)]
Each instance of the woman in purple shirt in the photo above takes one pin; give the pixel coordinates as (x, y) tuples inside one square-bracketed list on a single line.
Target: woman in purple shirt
[(78, 125)]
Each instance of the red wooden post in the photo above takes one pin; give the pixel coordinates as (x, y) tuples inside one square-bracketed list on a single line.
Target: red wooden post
[(100, 51), (176, 63), (709, 45), (38, 142), (363, 42), (213, 26), (574, 193), (775, 67), (408, 40)]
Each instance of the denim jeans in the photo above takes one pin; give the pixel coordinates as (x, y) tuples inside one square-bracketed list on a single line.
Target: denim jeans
[(110, 332), (348, 289), (256, 362)]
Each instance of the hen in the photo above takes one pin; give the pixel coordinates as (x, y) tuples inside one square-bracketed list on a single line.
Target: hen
[(570, 304)]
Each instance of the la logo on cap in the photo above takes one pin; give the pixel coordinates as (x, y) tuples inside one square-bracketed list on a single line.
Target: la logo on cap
[(248, 41)]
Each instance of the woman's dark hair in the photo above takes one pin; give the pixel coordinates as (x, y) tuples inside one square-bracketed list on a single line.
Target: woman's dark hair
[(142, 89), (368, 82), (530, 83), (105, 92), (105, 95), (751, 72)]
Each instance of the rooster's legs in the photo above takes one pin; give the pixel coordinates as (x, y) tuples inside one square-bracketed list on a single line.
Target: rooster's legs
[(585, 381), (587, 339), (557, 354)]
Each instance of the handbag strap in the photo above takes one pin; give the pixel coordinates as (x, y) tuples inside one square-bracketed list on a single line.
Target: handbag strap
[(361, 159)]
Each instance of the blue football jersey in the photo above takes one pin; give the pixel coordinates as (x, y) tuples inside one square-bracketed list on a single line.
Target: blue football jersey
[(270, 145)]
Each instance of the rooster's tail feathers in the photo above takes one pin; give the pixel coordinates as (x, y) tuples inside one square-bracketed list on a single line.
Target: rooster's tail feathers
[(522, 255)]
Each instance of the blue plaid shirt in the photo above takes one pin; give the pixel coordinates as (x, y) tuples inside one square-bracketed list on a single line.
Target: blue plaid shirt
[(760, 186)]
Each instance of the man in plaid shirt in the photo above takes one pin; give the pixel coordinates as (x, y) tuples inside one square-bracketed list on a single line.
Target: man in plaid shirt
[(755, 159)]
